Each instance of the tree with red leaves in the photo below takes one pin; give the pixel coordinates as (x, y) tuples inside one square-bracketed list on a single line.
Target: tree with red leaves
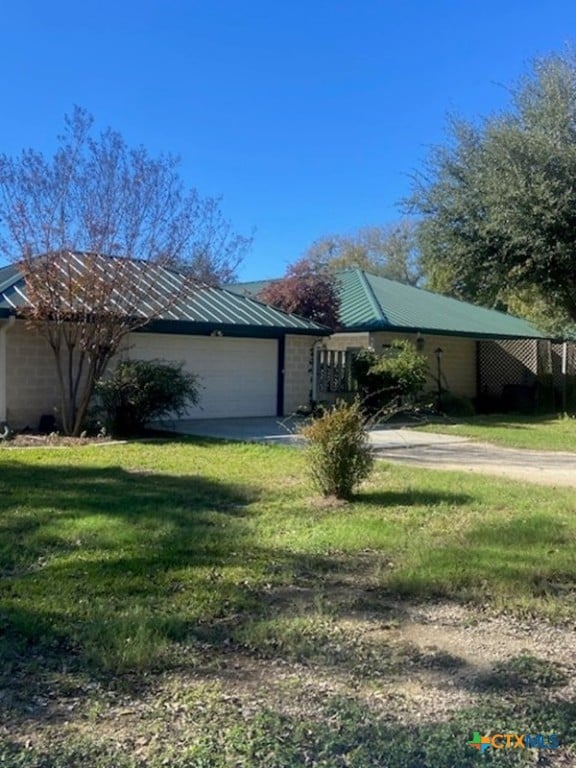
[(308, 290)]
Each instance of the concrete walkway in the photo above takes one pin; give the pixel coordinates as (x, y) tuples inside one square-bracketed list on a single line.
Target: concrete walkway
[(260, 430), (406, 446)]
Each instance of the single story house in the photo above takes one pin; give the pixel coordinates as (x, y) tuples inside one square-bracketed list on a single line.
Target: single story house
[(479, 350), (252, 359)]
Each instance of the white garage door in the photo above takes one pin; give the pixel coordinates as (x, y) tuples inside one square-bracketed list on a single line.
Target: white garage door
[(238, 377)]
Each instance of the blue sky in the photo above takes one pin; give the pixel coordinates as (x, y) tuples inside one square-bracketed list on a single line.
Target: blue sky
[(308, 118)]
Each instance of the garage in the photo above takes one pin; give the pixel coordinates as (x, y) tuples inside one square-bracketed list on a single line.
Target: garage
[(252, 360), (238, 376)]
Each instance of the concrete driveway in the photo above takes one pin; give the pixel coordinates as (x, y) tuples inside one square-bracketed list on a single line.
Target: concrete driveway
[(405, 446)]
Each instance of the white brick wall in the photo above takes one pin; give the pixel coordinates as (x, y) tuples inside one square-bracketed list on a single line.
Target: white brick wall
[(32, 387), (297, 372), (344, 341), (31, 380)]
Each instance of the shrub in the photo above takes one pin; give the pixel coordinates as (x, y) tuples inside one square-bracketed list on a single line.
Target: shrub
[(400, 371), (339, 454), (139, 391), (457, 405)]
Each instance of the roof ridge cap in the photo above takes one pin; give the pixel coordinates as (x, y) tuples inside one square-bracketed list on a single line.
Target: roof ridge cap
[(375, 304)]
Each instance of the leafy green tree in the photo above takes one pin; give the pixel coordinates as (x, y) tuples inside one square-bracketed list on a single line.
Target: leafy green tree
[(531, 304), (498, 200), (390, 251)]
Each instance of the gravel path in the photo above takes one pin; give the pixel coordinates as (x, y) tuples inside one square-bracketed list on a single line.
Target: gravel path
[(458, 453)]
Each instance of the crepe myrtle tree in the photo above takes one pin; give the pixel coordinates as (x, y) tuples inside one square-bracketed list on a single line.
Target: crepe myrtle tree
[(95, 229)]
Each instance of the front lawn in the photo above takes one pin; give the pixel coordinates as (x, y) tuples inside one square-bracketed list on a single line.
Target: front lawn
[(537, 433), (192, 603)]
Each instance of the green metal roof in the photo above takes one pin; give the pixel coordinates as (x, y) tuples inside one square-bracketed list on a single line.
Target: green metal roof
[(171, 301), (7, 275), (373, 303), (370, 302)]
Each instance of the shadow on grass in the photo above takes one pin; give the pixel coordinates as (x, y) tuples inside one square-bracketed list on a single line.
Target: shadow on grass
[(530, 556), (342, 732), (412, 498), (102, 568), (42, 495), (509, 421), (113, 575), (162, 437), (308, 618), (521, 674)]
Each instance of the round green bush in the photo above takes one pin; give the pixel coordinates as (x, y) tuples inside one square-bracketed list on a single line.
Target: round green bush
[(140, 391)]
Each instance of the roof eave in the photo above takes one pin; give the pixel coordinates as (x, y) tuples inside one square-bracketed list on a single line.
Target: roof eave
[(187, 327), (373, 327)]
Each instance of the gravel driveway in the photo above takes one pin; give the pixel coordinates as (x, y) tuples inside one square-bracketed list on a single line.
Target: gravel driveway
[(435, 451)]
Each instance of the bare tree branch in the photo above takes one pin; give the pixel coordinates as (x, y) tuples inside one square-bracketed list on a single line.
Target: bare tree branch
[(97, 231)]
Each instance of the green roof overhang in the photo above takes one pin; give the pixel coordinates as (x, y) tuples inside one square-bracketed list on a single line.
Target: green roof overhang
[(376, 327), (188, 328)]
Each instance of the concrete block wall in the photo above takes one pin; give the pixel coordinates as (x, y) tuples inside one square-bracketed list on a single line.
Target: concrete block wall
[(297, 372), (344, 341), (31, 381)]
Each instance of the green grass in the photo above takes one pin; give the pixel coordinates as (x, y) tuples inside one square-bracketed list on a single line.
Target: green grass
[(122, 567), (538, 433), (348, 738)]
